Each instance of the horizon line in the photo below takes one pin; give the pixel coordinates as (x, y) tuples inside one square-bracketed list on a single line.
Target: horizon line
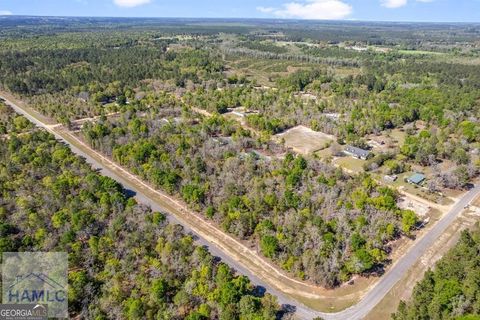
[(239, 18)]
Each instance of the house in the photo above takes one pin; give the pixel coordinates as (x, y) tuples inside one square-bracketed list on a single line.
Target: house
[(416, 179), (357, 153)]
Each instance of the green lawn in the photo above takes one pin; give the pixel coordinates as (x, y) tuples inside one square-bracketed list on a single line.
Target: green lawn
[(350, 163), (420, 52)]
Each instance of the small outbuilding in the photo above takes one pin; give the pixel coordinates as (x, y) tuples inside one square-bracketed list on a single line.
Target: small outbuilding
[(390, 178), (416, 179)]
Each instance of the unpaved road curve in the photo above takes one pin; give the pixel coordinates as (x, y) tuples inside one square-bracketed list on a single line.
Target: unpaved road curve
[(358, 311)]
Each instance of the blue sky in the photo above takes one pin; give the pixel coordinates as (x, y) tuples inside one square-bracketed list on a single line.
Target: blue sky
[(378, 10)]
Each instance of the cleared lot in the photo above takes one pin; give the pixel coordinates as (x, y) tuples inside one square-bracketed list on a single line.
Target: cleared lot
[(408, 203), (304, 140)]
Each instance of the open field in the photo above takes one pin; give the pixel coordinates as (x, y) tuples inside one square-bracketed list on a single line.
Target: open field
[(350, 164), (387, 140), (304, 140), (421, 52), (266, 71), (398, 136)]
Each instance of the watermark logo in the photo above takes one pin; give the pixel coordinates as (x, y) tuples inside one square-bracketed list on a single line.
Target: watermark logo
[(23, 312), (36, 278)]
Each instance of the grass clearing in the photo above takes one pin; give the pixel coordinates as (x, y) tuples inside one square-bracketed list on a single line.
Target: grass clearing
[(350, 164), (266, 71), (398, 136), (386, 141), (421, 52), (304, 140)]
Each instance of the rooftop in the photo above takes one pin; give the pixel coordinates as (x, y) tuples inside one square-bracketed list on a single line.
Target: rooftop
[(357, 151), (416, 178)]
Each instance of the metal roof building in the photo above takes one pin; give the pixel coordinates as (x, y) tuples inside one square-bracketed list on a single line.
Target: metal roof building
[(416, 178)]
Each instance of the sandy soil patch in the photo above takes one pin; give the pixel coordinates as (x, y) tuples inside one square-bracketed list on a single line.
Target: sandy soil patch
[(477, 202), (407, 203), (304, 140)]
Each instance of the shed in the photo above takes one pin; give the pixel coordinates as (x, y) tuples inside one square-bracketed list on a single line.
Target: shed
[(390, 178)]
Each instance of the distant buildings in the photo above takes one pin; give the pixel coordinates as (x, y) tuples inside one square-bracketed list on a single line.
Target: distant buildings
[(357, 48), (416, 179), (357, 153)]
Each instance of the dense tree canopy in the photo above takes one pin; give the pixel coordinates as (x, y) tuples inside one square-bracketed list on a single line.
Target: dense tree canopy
[(451, 290), (310, 218), (125, 262)]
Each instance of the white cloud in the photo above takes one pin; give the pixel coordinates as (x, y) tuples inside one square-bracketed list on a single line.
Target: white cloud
[(394, 3), (265, 9), (312, 9), (400, 3), (5, 13), (130, 3)]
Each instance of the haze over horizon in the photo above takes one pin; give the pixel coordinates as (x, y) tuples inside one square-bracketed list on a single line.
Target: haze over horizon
[(362, 10)]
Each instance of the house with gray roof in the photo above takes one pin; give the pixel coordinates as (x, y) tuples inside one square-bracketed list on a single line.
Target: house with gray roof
[(357, 153)]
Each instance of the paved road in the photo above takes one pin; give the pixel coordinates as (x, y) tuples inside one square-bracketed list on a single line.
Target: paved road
[(395, 273), (358, 311)]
